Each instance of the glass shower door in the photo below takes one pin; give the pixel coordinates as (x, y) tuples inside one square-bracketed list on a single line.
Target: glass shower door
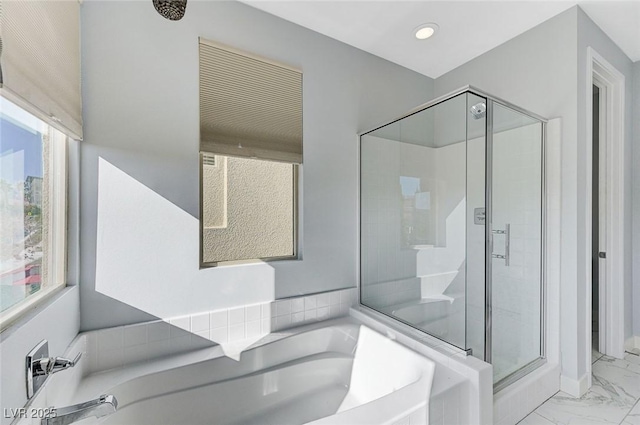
[(414, 217), (515, 241)]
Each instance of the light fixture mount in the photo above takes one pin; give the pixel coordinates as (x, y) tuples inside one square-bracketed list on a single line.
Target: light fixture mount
[(424, 31)]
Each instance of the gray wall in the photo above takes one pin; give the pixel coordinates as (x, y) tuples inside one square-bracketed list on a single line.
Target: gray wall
[(590, 35), (140, 88), (57, 321), (636, 199), (537, 71)]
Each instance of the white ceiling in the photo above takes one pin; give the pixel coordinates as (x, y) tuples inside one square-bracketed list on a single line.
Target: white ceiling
[(467, 28)]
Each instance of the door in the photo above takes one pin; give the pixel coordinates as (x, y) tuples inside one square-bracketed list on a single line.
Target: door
[(599, 223), (515, 241)]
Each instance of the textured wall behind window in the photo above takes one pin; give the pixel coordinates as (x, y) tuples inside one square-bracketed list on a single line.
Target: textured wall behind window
[(214, 193), (259, 210)]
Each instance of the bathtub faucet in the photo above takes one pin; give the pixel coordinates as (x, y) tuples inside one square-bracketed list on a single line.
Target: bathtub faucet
[(102, 406)]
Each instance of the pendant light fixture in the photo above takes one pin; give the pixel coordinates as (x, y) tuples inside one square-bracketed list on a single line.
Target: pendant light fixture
[(171, 9)]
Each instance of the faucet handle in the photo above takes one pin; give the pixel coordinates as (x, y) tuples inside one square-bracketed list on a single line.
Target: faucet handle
[(39, 365), (60, 363), (51, 365), (67, 363)]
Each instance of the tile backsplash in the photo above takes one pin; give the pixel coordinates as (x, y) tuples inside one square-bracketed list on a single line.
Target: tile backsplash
[(115, 347), (312, 308)]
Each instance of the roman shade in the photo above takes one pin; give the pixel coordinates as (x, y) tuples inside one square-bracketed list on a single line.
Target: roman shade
[(40, 60), (249, 106)]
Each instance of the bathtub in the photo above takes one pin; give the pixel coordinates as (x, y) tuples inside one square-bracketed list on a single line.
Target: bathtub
[(336, 372)]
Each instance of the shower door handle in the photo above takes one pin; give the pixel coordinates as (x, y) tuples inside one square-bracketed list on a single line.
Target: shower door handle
[(507, 236)]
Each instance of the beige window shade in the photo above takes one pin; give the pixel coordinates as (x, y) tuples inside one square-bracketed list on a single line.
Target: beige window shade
[(40, 60), (249, 107)]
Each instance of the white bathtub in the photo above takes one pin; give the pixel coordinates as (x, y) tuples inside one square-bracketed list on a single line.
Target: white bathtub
[(336, 372), (340, 374)]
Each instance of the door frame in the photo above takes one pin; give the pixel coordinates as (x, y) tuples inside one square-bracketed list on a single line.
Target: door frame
[(611, 83)]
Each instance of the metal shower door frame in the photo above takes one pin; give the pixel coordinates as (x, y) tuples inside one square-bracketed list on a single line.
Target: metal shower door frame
[(513, 377)]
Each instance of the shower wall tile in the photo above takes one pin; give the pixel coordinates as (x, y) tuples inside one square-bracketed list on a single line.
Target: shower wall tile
[(385, 294)]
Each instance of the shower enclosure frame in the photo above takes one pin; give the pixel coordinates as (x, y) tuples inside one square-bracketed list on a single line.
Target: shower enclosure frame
[(491, 100)]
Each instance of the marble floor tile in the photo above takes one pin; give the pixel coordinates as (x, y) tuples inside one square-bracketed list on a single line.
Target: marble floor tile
[(632, 358), (630, 362), (535, 419), (614, 392), (633, 418), (567, 410), (623, 381)]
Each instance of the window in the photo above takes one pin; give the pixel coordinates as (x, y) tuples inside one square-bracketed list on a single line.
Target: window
[(32, 210), (251, 151)]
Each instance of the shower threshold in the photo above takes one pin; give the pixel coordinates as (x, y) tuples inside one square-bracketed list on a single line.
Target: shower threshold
[(515, 376)]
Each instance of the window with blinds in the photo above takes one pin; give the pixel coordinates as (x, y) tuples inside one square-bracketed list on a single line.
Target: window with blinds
[(40, 110), (249, 107), (251, 150)]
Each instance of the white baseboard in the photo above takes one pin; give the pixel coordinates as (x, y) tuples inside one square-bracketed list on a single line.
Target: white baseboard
[(576, 388), (632, 343)]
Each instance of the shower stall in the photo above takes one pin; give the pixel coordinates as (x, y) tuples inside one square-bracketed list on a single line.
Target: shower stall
[(451, 227)]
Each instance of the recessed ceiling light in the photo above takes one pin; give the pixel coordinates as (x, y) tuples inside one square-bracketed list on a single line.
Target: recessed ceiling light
[(425, 31)]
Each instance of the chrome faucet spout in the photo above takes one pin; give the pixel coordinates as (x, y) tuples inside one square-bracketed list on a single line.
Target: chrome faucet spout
[(102, 406)]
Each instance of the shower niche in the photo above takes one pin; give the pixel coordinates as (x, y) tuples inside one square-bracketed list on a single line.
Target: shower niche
[(451, 227)]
